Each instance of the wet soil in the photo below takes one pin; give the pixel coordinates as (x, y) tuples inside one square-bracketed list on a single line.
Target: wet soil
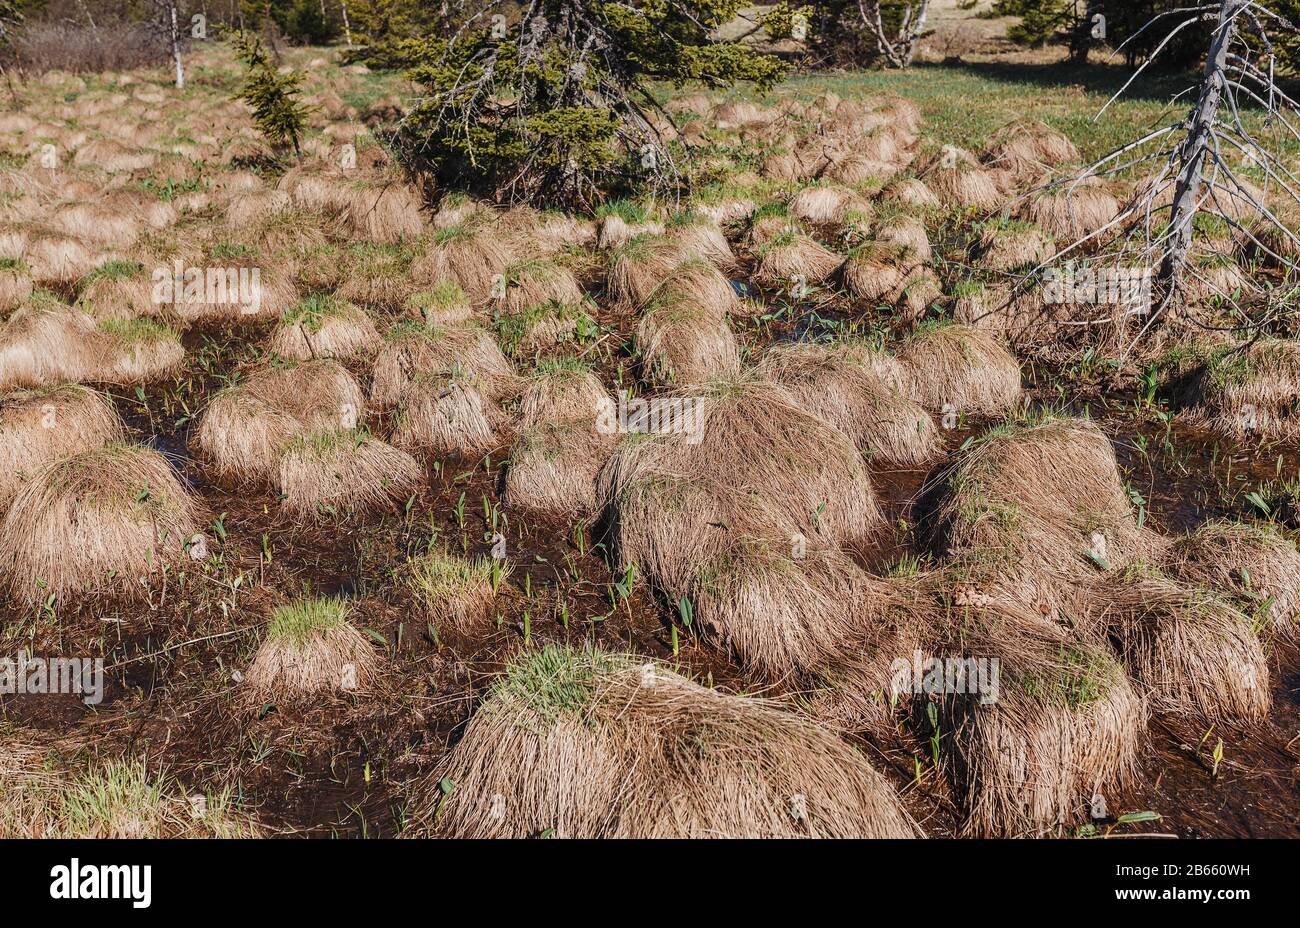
[(345, 766)]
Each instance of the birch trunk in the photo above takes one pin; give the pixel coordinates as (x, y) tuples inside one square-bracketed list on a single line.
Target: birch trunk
[(176, 50)]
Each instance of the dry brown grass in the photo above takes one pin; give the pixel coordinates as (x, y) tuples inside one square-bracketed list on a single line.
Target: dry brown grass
[(613, 231), (956, 180), (961, 369), (37, 427), (113, 798), (700, 237), (680, 341), (452, 591), (697, 281), (910, 191), (449, 413), (794, 256), (1071, 214), (324, 327), (1196, 653), (1065, 727), (113, 156), (857, 168), (345, 472), (1248, 390), (640, 265), (117, 296), (249, 208), (44, 343), (15, 285), (412, 353), (389, 211), (755, 461), (244, 429), (58, 259), (908, 232), (275, 295), (472, 255), (443, 305), (137, 351), (310, 649), (856, 389), (534, 282), (559, 392), (1027, 147), (1022, 506), (554, 466), (876, 272), (827, 204), (105, 521), (1001, 249), (1254, 562), (97, 224), (585, 745), (781, 609)]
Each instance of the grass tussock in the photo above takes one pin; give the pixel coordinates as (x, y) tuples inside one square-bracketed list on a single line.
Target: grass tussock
[(450, 413), (455, 592), (412, 354), (857, 389), (1258, 565), (585, 744), (244, 429), (674, 495), (681, 342), (107, 521), (962, 370), (554, 466), (324, 326), (345, 471), (109, 799), (1066, 725), (37, 427), (311, 648)]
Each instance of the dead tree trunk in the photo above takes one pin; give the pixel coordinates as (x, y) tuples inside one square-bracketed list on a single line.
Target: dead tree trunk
[(1195, 148), (347, 26)]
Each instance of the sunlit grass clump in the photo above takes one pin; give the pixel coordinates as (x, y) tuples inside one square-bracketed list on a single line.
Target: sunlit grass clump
[(456, 591), (310, 648)]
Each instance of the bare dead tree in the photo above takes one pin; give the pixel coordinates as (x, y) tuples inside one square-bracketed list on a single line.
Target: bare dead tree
[(1195, 149), (1193, 174), (897, 47)]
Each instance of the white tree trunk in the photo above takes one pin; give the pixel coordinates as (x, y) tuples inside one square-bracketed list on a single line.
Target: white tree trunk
[(176, 50), (898, 50), (347, 26)]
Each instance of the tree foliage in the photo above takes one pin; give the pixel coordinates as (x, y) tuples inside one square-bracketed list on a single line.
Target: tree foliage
[(386, 32), (271, 95), (556, 105), (1138, 26)]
